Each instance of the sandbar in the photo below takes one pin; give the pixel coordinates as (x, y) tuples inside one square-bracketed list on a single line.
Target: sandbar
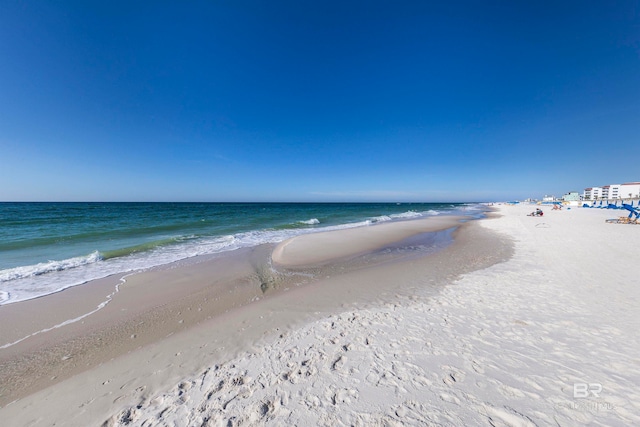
[(320, 248)]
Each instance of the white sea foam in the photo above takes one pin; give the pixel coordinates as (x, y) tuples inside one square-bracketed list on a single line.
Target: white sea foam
[(48, 267), (351, 225), (382, 218), (408, 214), (405, 215), (312, 221)]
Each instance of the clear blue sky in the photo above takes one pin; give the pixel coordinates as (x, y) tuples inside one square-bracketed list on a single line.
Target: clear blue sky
[(317, 101)]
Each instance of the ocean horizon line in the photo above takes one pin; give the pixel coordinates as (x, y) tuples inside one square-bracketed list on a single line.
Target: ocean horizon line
[(254, 201)]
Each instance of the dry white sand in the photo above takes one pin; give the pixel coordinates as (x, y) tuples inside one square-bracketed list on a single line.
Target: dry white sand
[(546, 338)]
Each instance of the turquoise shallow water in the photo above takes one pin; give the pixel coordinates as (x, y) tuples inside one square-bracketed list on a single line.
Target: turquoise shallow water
[(46, 247)]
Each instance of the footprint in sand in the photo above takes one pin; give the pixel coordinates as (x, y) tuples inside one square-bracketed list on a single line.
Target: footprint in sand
[(477, 367), (339, 363), (449, 398), (312, 401), (343, 396), (507, 417), (453, 375), (510, 392)]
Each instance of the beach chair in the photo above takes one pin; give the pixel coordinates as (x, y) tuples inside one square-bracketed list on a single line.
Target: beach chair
[(627, 220), (620, 220), (633, 212)]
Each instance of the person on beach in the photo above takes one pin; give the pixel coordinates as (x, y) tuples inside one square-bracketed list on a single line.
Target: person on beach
[(537, 212)]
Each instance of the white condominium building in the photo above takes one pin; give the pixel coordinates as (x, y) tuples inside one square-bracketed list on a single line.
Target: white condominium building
[(592, 193), (630, 190), (611, 191)]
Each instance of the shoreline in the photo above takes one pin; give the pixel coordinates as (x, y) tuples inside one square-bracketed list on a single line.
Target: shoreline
[(119, 327), (34, 268)]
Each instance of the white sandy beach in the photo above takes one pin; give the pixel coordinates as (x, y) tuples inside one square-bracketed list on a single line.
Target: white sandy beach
[(548, 337)]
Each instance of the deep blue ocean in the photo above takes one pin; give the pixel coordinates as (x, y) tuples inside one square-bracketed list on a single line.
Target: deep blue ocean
[(47, 247)]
